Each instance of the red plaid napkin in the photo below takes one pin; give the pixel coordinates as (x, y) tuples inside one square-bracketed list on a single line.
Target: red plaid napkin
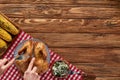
[(12, 72)]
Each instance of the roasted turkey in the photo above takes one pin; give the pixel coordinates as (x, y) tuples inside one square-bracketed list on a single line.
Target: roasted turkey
[(28, 50)]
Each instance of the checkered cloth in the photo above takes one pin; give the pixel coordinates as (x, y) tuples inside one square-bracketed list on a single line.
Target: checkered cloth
[(12, 72)]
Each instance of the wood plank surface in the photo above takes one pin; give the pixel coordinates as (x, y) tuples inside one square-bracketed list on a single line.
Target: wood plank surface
[(79, 39), (104, 2), (108, 78), (53, 11), (104, 56), (84, 32), (69, 25), (104, 71)]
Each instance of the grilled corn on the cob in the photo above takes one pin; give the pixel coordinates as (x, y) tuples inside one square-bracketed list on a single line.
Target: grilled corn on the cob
[(8, 26), (5, 35), (3, 43), (3, 46)]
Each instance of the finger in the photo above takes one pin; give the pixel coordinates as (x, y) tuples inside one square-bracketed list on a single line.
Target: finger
[(34, 69), (36, 73), (31, 64), (3, 61), (9, 63)]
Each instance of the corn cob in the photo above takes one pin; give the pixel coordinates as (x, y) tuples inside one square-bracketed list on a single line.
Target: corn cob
[(3, 43), (8, 26), (3, 46), (5, 35)]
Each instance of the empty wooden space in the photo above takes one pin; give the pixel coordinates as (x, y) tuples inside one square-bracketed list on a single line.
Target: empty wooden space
[(84, 32)]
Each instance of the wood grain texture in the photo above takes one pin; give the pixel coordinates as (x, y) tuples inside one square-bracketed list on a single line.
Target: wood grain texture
[(84, 32), (53, 11), (104, 56), (101, 2), (104, 71), (79, 39), (108, 78), (69, 25)]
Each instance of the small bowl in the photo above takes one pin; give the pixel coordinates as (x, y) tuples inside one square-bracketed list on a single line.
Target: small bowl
[(60, 69)]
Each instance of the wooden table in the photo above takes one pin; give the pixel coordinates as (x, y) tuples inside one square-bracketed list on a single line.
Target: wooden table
[(84, 32)]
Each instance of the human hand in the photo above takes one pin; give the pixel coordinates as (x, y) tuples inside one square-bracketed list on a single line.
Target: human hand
[(4, 66), (30, 73)]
